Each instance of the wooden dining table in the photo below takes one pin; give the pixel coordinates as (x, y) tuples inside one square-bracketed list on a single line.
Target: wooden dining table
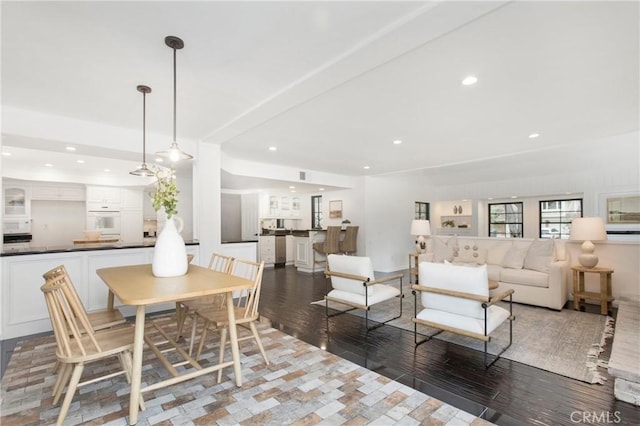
[(137, 286)]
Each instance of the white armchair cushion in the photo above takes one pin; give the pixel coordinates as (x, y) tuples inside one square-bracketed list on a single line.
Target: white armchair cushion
[(495, 316), (456, 278), (377, 293), (355, 265)]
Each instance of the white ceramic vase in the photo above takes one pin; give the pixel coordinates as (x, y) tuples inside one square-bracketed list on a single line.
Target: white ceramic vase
[(170, 253)]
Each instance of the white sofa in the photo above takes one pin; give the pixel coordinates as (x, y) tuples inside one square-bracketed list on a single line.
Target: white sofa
[(537, 270)]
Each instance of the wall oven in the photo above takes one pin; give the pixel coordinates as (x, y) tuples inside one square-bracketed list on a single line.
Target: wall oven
[(107, 222)]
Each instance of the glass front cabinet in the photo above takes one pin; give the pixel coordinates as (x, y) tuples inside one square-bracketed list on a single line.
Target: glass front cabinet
[(15, 200)]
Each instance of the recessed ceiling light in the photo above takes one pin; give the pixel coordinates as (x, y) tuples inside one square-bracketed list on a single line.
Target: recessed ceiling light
[(470, 80), (6, 154), (320, 189), (292, 187), (534, 135), (107, 170), (514, 196), (273, 148), (48, 165), (159, 160), (366, 167), (293, 190), (70, 148), (80, 161), (397, 142)]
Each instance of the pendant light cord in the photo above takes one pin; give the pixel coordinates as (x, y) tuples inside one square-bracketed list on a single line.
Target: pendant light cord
[(144, 127), (174, 95)]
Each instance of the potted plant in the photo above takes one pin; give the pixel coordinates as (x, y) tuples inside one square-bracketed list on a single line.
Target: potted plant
[(170, 253), (345, 223), (448, 224)]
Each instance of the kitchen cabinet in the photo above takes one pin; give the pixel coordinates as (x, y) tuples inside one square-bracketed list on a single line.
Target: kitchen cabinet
[(16, 201), (104, 195), (69, 192), (291, 249), (267, 249), (131, 199)]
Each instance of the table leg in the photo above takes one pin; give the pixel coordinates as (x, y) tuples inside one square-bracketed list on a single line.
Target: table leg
[(576, 287), (604, 296), (110, 298), (136, 373), (233, 339)]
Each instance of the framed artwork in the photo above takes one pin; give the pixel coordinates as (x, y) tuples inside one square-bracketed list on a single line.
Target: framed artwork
[(623, 209), (335, 209)]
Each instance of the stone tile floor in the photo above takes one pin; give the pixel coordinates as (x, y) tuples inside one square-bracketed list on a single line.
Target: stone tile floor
[(302, 385)]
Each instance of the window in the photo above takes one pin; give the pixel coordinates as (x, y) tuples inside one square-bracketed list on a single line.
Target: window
[(421, 210), (556, 217), (316, 211), (505, 220)]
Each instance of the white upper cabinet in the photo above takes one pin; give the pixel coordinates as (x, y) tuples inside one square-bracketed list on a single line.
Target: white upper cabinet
[(58, 192), (16, 201), (104, 195)]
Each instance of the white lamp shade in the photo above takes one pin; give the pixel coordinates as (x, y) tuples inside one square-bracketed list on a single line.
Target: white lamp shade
[(420, 227), (588, 229)]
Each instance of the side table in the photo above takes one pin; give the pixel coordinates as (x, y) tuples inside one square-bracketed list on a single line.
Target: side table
[(605, 296), (413, 268)]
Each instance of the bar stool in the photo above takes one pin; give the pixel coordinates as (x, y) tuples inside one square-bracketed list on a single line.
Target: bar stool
[(350, 243), (330, 245)]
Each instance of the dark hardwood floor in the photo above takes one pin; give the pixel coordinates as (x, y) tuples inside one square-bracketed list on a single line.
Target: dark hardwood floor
[(507, 393)]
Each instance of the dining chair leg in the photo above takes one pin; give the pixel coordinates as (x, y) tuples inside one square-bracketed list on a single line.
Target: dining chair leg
[(223, 343), (194, 326), (254, 330), (71, 390), (60, 381), (65, 373), (203, 337), (181, 316)]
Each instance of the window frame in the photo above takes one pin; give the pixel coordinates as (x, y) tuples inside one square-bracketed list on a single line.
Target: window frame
[(316, 212), (421, 210), (567, 223), (506, 234)]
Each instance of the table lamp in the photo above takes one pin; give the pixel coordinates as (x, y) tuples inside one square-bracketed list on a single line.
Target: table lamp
[(588, 229), (421, 228)]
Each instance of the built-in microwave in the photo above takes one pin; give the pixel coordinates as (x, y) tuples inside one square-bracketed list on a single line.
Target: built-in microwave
[(107, 222), (16, 226)]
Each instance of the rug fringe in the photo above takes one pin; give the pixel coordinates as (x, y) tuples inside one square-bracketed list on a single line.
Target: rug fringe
[(592, 364)]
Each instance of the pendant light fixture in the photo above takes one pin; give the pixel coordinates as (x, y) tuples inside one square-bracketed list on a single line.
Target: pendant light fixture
[(174, 153), (143, 170)]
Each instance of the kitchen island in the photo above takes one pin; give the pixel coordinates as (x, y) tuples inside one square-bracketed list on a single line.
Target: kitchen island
[(24, 311)]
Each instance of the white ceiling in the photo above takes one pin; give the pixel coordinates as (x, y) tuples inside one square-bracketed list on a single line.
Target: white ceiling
[(332, 84)]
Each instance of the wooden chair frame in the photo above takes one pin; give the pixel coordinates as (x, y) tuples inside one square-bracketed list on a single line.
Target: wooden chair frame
[(330, 245), (77, 343), (366, 282), (217, 262), (486, 303), (246, 310)]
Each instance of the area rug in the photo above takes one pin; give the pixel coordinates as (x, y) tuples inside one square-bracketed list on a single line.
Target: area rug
[(302, 385), (569, 342)]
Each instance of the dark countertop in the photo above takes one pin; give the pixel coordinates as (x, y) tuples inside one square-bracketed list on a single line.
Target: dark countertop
[(84, 247), (239, 241)]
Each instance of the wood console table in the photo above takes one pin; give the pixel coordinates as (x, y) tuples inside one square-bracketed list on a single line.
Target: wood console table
[(605, 296)]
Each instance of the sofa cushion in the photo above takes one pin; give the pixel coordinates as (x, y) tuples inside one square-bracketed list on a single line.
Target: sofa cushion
[(444, 250), (539, 255), (514, 257), (355, 265), (560, 249), (455, 278), (470, 253), (496, 252), (524, 277)]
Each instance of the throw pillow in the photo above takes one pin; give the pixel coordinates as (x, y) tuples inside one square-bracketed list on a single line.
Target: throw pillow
[(444, 250), (469, 253), (514, 257), (539, 255)]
